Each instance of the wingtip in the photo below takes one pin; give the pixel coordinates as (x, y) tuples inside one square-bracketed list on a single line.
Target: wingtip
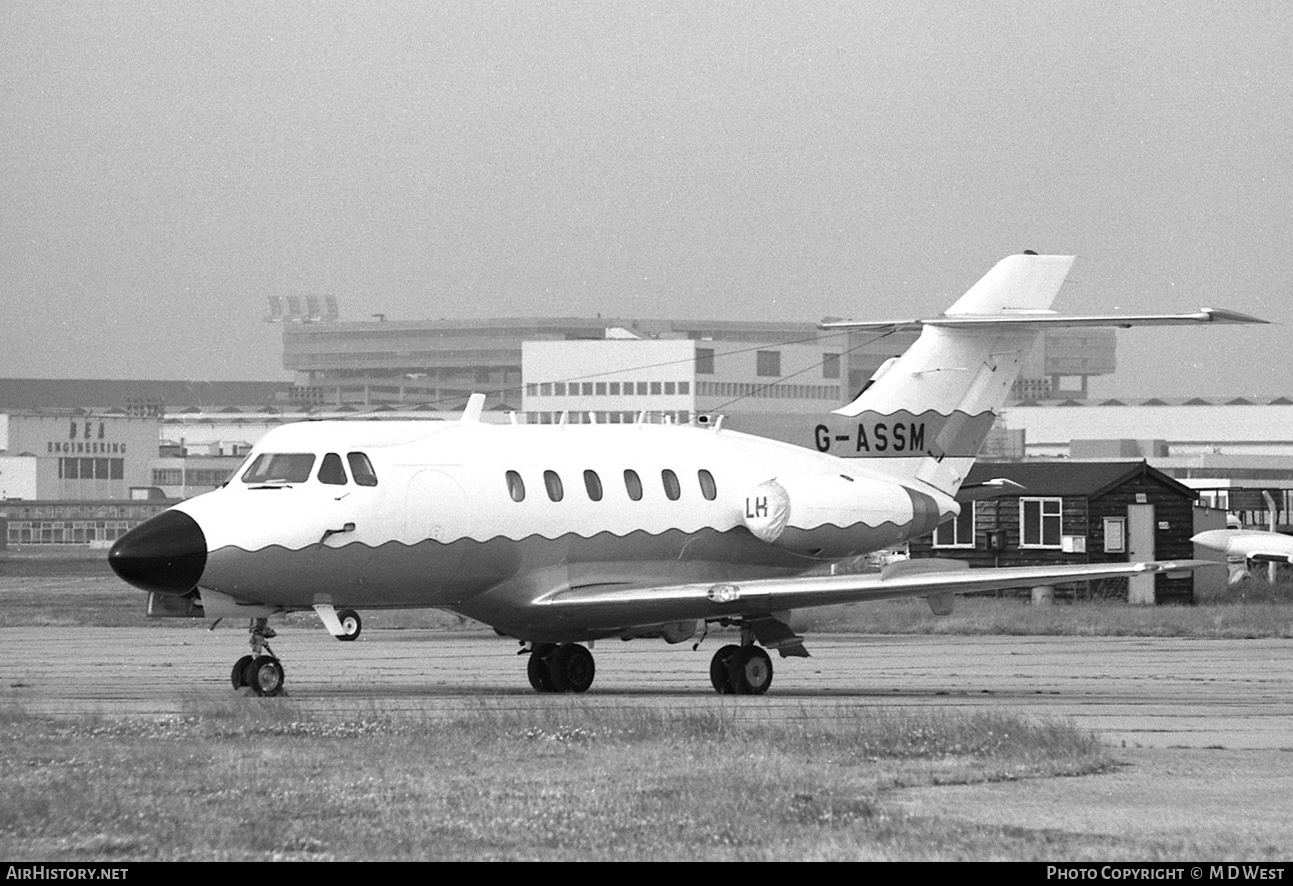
[(1222, 315)]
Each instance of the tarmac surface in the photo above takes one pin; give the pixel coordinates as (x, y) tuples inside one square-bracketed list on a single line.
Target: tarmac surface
[(1204, 727)]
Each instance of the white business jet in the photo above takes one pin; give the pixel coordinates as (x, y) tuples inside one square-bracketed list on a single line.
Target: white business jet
[(561, 535)]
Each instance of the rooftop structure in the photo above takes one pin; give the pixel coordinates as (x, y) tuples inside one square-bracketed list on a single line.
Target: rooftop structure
[(442, 362)]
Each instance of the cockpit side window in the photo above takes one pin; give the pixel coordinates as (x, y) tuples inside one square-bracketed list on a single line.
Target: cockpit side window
[(280, 467), (362, 469), (331, 471)]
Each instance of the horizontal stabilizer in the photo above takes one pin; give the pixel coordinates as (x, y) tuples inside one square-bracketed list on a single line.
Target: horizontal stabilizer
[(1049, 319)]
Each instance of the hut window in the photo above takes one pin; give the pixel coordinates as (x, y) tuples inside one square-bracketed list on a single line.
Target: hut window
[(1040, 522), (958, 532)]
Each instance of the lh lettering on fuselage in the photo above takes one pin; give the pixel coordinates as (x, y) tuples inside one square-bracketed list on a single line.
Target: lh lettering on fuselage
[(878, 438)]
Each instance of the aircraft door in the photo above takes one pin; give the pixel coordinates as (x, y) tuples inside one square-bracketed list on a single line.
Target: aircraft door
[(437, 518), (346, 506)]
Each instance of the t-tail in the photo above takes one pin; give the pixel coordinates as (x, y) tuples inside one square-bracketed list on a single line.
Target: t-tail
[(928, 412)]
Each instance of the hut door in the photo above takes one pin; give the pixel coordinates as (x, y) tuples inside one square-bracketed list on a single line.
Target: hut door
[(1140, 548)]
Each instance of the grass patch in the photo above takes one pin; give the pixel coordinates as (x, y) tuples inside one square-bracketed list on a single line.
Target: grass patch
[(271, 781)]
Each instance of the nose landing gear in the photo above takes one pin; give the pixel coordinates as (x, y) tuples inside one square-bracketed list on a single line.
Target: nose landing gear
[(262, 672)]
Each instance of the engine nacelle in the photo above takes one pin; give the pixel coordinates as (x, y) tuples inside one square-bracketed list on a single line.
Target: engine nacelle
[(833, 515)]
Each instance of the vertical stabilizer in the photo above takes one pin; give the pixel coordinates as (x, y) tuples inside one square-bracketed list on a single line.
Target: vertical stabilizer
[(932, 408)]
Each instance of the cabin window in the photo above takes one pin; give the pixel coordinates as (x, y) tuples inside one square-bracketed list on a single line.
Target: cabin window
[(707, 486), (593, 484), (361, 469), (1040, 522), (957, 533), (280, 467), (672, 489), (331, 471), (553, 482), (633, 484), (515, 486)]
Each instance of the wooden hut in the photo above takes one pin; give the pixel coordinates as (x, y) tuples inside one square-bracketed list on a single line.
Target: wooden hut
[(1076, 512)]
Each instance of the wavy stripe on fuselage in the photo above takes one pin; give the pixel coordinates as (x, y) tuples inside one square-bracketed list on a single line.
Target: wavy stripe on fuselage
[(431, 573)]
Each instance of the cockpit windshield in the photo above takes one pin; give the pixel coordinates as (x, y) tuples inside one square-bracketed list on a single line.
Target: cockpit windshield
[(280, 467)]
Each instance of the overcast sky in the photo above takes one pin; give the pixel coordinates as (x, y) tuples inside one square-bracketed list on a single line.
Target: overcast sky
[(166, 166)]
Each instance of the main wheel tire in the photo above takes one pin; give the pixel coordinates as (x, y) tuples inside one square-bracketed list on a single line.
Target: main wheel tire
[(351, 623), (265, 675), (238, 677), (572, 668), (538, 668), (720, 669), (751, 671)]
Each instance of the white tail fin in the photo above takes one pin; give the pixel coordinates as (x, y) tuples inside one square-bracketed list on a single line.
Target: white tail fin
[(929, 411), (935, 405)]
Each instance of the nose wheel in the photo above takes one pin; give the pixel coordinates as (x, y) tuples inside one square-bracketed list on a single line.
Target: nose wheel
[(261, 671), (351, 624)]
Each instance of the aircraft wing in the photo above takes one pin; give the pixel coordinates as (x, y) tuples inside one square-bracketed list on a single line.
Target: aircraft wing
[(611, 604)]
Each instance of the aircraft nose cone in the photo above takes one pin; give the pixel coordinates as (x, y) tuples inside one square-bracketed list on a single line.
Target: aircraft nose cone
[(1214, 539), (165, 554)]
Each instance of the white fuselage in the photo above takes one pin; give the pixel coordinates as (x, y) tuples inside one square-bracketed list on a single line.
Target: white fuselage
[(459, 509)]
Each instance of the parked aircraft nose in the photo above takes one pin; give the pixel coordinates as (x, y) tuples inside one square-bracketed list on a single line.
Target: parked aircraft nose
[(1215, 539), (165, 554)]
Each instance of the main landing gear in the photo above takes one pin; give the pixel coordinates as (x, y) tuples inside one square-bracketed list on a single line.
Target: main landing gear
[(740, 670), (734, 670), (262, 672), (565, 668)]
